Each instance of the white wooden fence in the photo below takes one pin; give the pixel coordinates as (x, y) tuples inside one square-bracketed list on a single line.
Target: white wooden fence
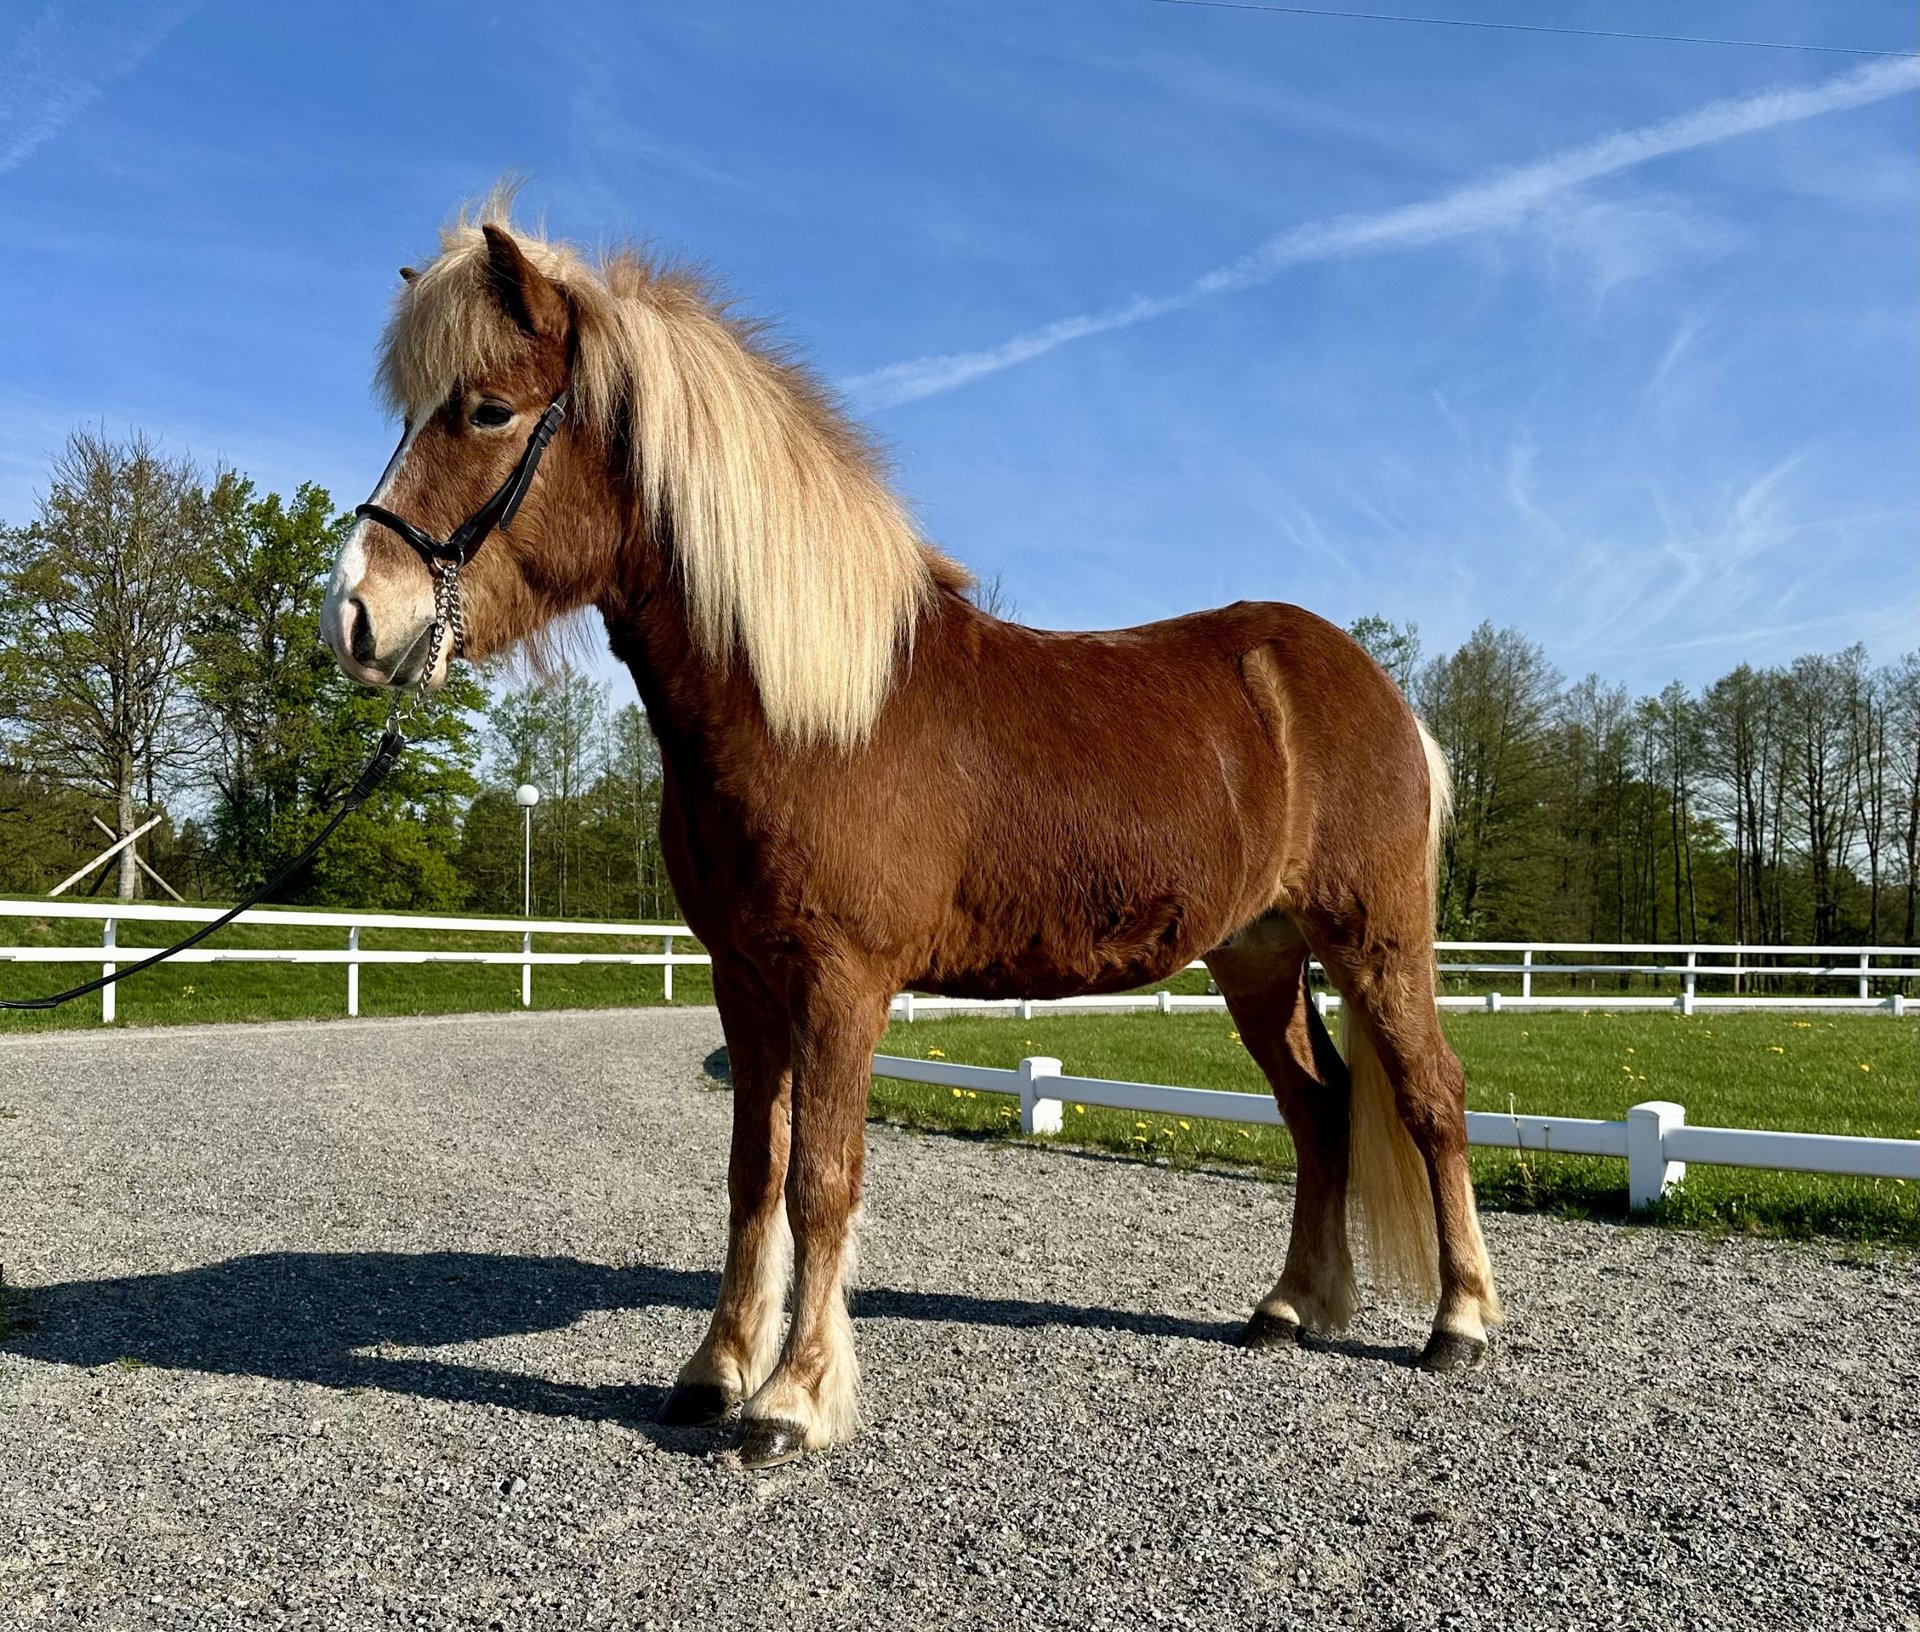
[(1873, 973), (1520, 964), (1654, 1140), (351, 954)]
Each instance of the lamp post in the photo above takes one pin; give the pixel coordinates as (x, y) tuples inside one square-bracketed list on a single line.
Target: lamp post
[(526, 796)]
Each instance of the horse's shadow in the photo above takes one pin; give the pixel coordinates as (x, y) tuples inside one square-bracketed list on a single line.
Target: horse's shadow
[(335, 1318)]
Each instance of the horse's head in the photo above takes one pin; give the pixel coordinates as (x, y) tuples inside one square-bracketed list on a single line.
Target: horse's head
[(480, 348)]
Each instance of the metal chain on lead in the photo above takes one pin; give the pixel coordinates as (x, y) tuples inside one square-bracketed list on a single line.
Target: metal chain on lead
[(448, 618), (456, 612)]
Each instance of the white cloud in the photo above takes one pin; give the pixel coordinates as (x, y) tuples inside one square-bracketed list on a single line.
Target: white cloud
[(1494, 202)]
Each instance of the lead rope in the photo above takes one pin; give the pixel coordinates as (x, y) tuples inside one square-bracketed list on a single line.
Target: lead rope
[(449, 621), (406, 704)]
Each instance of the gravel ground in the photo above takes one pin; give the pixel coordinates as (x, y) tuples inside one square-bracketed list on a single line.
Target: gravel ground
[(362, 1324)]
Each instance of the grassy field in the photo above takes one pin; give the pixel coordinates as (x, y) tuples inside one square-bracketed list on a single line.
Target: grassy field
[(1846, 1074)]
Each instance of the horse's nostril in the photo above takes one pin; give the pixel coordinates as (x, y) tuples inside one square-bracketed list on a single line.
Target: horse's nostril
[(360, 631)]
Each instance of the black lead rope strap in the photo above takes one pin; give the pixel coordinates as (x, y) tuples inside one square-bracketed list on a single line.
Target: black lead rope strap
[(444, 557), (391, 744)]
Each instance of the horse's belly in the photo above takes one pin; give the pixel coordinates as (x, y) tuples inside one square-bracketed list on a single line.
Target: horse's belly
[(1136, 947)]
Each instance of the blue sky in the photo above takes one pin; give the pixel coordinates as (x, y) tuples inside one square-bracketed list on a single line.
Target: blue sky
[(1158, 306)]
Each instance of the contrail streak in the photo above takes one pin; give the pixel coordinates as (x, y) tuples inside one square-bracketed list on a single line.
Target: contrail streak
[(1502, 199)]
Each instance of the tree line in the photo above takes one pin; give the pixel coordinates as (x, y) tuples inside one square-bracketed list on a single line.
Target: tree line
[(1777, 805), (160, 657)]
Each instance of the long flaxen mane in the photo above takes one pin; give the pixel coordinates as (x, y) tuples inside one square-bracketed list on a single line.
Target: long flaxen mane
[(791, 548)]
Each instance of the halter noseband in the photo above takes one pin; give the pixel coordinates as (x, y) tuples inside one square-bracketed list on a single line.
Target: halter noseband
[(446, 556)]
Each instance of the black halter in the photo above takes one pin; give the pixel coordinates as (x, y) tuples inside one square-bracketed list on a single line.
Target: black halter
[(446, 556), (459, 546)]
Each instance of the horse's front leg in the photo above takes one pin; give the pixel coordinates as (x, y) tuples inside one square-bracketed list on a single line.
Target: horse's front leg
[(743, 1339), (812, 1399)]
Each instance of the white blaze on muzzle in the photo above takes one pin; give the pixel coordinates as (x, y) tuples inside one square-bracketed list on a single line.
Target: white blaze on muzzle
[(350, 570)]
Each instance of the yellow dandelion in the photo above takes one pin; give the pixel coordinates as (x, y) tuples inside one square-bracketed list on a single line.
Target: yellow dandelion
[(1079, 1110), (936, 1053), (1866, 1065), (971, 1094), (1233, 1036), (1629, 1048), (1184, 1126), (956, 1093), (1803, 1025), (1775, 1048), (1139, 1124)]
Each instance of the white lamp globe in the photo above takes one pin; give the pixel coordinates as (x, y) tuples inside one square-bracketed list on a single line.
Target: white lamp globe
[(526, 794)]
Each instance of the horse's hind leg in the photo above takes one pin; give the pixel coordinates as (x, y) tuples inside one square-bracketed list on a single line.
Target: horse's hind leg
[(1401, 1062), (1262, 974)]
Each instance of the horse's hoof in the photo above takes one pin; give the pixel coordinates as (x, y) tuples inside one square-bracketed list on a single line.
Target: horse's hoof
[(769, 1441), (1450, 1351), (1270, 1331), (695, 1405)]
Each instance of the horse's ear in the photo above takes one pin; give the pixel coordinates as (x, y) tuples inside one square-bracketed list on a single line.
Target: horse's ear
[(409, 273), (530, 297)]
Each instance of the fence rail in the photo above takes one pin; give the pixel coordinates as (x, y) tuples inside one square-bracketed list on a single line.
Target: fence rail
[(352, 956), (1876, 974), (1654, 1139)]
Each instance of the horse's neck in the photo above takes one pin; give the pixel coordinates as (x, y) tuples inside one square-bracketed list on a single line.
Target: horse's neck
[(705, 712), (702, 711)]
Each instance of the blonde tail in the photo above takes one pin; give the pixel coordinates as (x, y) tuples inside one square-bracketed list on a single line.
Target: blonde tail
[(1391, 1197), (1387, 1188)]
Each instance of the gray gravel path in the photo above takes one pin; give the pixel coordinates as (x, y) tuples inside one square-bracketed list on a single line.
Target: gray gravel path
[(361, 1325)]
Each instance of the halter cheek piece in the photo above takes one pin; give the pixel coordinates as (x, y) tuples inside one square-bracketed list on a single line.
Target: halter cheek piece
[(445, 557)]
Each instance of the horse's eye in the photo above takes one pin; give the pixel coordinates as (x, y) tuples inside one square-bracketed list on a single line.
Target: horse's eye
[(489, 414)]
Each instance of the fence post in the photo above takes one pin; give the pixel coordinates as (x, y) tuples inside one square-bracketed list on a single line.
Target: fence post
[(1649, 1173), (1026, 1008), (1866, 984), (1163, 1001), (1038, 1115), (1693, 975), (1493, 1002), (666, 969), (1896, 1005), (108, 938), (1526, 973), (1320, 1004), (906, 1007), (353, 972), (526, 969)]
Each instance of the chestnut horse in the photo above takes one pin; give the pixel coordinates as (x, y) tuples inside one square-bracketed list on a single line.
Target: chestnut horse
[(871, 784)]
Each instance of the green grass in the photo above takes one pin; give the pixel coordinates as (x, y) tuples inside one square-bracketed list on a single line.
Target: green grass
[(1808, 1073), (185, 993)]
